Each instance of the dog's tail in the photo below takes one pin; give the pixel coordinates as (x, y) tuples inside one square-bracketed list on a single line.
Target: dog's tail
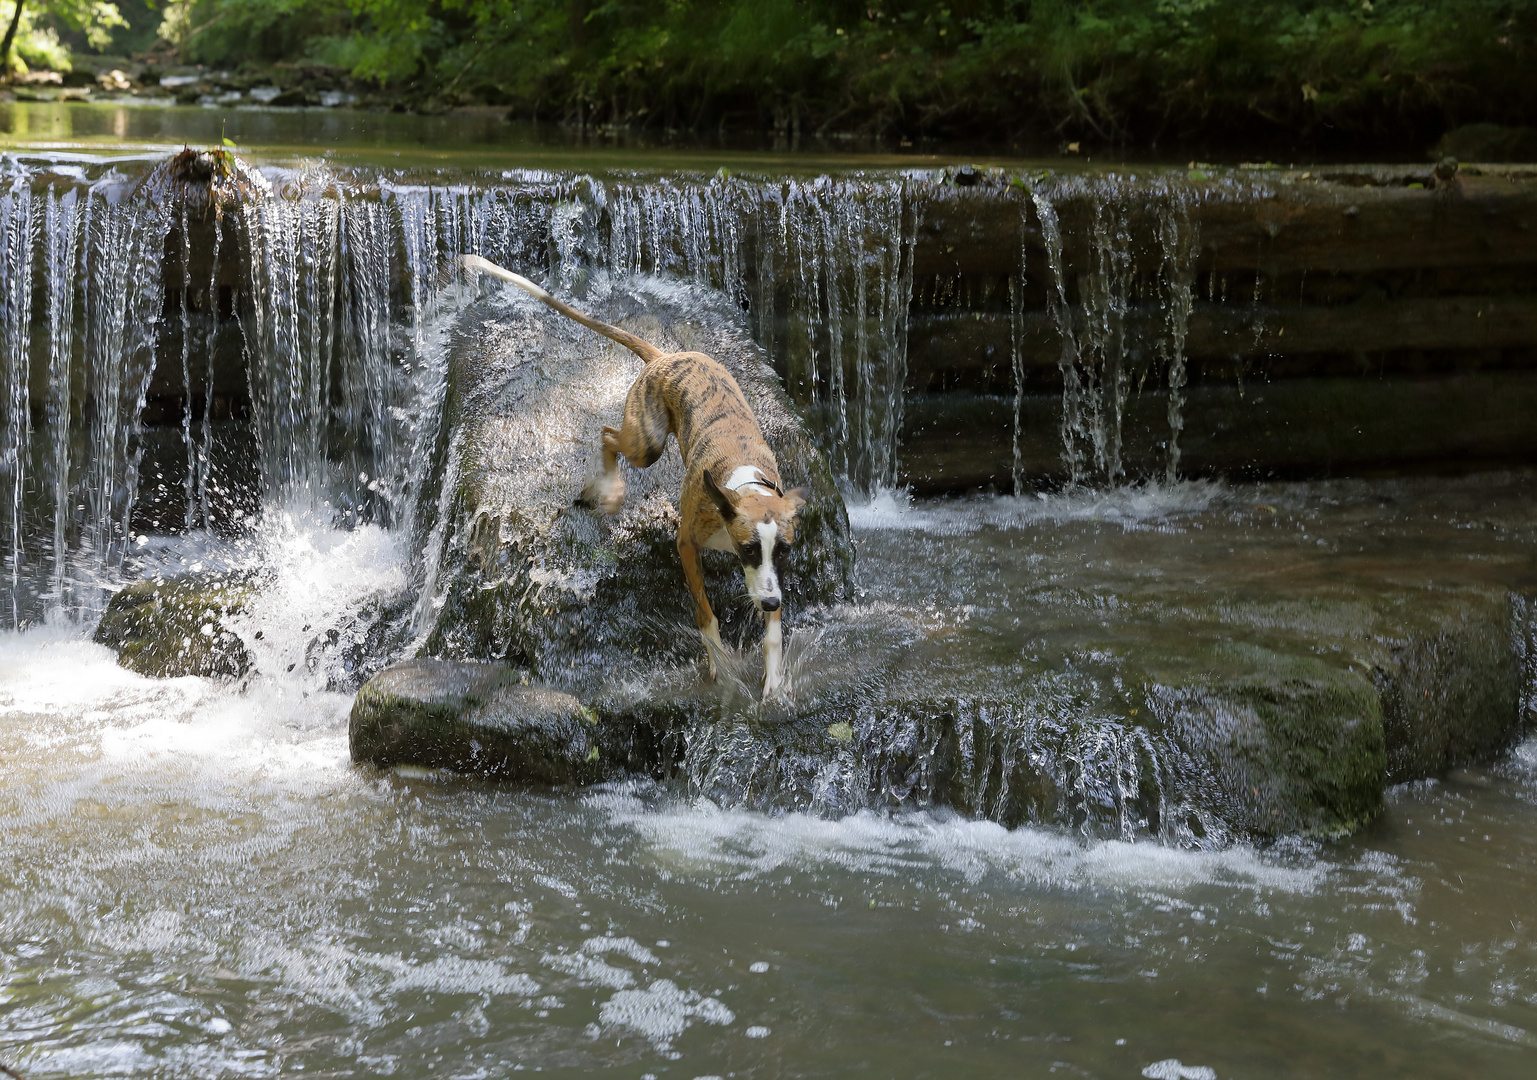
[(639, 346)]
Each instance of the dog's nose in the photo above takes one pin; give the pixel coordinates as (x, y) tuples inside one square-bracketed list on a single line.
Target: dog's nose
[(769, 603)]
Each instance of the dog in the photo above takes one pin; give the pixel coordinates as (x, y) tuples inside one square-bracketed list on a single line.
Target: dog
[(732, 498)]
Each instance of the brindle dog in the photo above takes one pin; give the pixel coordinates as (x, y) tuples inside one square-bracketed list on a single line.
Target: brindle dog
[(732, 498)]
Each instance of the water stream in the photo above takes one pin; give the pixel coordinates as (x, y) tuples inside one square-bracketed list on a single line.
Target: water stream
[(196, 882)]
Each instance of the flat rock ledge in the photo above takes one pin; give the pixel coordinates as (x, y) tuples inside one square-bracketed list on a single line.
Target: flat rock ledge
[(1208, 743), (473, 717)]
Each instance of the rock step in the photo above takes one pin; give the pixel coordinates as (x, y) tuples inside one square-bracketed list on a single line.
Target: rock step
[(1215, 739), (472, 717)]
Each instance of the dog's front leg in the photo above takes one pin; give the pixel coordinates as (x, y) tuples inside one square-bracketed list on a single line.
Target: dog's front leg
[(773, 652), (704, 618)]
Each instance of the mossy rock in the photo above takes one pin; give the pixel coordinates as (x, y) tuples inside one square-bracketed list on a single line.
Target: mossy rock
[(472, 717), (1452, 681), (1288, 742), (170, 627), (1279, 716), (531, 578)]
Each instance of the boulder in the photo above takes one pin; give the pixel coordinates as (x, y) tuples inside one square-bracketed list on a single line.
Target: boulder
[(170, 627), (1188, 713), (472, 717), (525, 575), (1451, 681)]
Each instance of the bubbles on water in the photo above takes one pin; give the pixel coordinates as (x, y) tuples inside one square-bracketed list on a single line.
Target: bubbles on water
[(663, 1011), (1174, 1069), (700, 839)]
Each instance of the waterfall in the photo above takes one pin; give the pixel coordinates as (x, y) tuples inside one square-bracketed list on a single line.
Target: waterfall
[(19, 226), (1139, 246), (61, 253), (302, 328), (123, 256), (825, 269), (1180, 240), (88, 264)]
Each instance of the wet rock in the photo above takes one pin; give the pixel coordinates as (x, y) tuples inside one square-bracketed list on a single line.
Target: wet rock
[(1194, 716), (208, 181), (472, 717), (362, 642), (576, 597), (1285, 742), (294, 99), (1451, 683), (169, 627)]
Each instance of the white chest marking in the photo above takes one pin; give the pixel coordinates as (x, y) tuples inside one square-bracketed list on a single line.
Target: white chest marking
[(743, 475)]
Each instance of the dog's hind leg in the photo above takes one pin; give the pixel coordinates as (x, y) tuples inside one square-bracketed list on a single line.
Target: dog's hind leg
[(704, 617), (605, 490), (642, 439)]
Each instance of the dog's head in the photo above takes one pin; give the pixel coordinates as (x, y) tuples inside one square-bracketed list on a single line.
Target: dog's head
[(761, 524)]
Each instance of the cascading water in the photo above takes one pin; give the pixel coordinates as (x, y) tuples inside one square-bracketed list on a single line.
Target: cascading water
[(330, 286), (284, 353), (1141, 247)]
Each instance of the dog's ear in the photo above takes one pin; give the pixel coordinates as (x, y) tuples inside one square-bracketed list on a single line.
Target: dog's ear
[(797, 497), (721, 500)]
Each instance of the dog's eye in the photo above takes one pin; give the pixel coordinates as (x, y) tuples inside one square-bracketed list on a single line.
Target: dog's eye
[(752, 554)]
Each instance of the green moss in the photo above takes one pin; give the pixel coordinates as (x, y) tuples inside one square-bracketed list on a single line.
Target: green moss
[(1451, 681), (170, 627)]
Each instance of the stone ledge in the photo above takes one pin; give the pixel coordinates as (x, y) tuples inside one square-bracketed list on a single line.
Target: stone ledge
[(472, 717)]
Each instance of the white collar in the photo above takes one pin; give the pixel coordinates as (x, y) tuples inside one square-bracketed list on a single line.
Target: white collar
[(743, 475)]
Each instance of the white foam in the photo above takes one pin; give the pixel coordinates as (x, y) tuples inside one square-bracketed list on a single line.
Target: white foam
[(1140, 506), (1174, 1069), (624, 946), (456, 975), (588, 970), (662, 1011), (701, 839), (320, 576), (75, 720)]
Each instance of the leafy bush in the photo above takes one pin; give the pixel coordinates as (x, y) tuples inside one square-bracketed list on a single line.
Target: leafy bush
[(37, 35), (1120, 71)]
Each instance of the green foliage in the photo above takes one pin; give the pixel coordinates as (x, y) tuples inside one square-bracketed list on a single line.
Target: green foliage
[(1116, 69), (37, 37), (231, 32)]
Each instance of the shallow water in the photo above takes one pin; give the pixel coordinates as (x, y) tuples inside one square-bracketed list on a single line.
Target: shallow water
[(470, 139), (195, 882)]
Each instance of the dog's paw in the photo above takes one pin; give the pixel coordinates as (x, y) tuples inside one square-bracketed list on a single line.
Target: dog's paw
[(600, 493), (777, 709)]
